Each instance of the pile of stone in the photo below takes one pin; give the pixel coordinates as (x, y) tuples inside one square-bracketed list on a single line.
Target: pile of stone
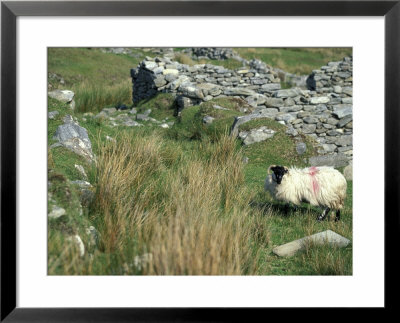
[(202, 82), (217, 53)]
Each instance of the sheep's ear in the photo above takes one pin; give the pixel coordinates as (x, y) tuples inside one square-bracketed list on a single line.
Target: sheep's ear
[(286, 170), (270, 168)]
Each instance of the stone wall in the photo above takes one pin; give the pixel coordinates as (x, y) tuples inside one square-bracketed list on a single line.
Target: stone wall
[(326, 113), (218, 53)]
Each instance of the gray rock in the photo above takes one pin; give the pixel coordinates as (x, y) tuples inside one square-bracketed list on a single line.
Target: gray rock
[(308, 128), (301, 148), (208, 120), (209, 89), (292, 132), (82, 184), (327, 237), (345, 120), (256, 100), (338, 160), (149, 65), (65, 96), (81, 170), (345, 140), (289, 93), (348, 91), (347, 100), (274, 102), (131, 123), (342, 110), (337, 89), (75, 138), (191, 91), (79, 244), (319, 100), (270, 87), (238, 91), (53, 114), (56, 212), (160, 81), (142, 117), (286, 117), (329, 148), (310, 120), (256, 135), (348, 172)]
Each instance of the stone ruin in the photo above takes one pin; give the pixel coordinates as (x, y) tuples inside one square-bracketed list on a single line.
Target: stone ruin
[(324, 113)]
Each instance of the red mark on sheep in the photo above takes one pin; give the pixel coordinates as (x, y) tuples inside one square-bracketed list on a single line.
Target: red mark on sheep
[(312, 171)]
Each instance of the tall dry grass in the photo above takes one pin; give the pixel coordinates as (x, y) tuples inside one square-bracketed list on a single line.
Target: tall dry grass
[(190, 211)]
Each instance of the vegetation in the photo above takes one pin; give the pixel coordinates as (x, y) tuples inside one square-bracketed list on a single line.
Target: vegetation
[(183, 194)]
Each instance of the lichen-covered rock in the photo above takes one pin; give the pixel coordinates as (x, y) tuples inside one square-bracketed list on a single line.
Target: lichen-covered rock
[(75, 138)]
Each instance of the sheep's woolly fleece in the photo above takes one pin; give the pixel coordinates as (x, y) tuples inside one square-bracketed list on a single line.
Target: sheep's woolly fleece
[(319, 186)]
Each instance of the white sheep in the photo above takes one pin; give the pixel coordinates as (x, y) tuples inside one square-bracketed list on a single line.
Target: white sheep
[(320, 186)]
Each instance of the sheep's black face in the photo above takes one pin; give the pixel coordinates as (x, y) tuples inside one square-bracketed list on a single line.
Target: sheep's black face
[(279, 171)]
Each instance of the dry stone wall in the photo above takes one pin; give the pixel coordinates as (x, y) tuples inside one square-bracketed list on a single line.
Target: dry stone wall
[(324, 113)]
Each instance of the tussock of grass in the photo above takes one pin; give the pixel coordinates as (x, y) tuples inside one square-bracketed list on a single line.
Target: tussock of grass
[(90, 97), (192, 215)]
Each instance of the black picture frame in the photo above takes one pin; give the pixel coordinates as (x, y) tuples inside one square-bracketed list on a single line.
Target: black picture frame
[(10, 10)]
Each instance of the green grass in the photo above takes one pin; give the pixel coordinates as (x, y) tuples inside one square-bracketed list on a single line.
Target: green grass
[(184, 193)]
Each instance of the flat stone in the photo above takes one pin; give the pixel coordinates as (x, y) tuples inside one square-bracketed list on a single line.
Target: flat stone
[(256, 135), (338, 160), (56, 212), (289, 93), (327, 237), (208, 120), (342, 110), (238, 91), (271, 87), (345, 140), (308, 128), (191, 91), (319, 100), (52, 114), (256, 100), (345, 120), (301, 148), (62, 95), (170, 71), (286, 117)]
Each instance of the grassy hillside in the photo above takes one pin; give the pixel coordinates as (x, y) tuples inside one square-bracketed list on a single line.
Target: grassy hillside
[(175, 201)]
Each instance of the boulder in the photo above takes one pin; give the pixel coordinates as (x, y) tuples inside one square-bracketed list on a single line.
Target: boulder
[(65, 96), (75, 138), (327, 237), (256, 135)]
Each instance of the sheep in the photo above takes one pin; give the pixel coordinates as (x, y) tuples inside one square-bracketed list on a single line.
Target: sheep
[(320, 186)]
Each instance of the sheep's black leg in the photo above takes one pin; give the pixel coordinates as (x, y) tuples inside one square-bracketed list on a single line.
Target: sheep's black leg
[(322, 216), (337, 217)]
